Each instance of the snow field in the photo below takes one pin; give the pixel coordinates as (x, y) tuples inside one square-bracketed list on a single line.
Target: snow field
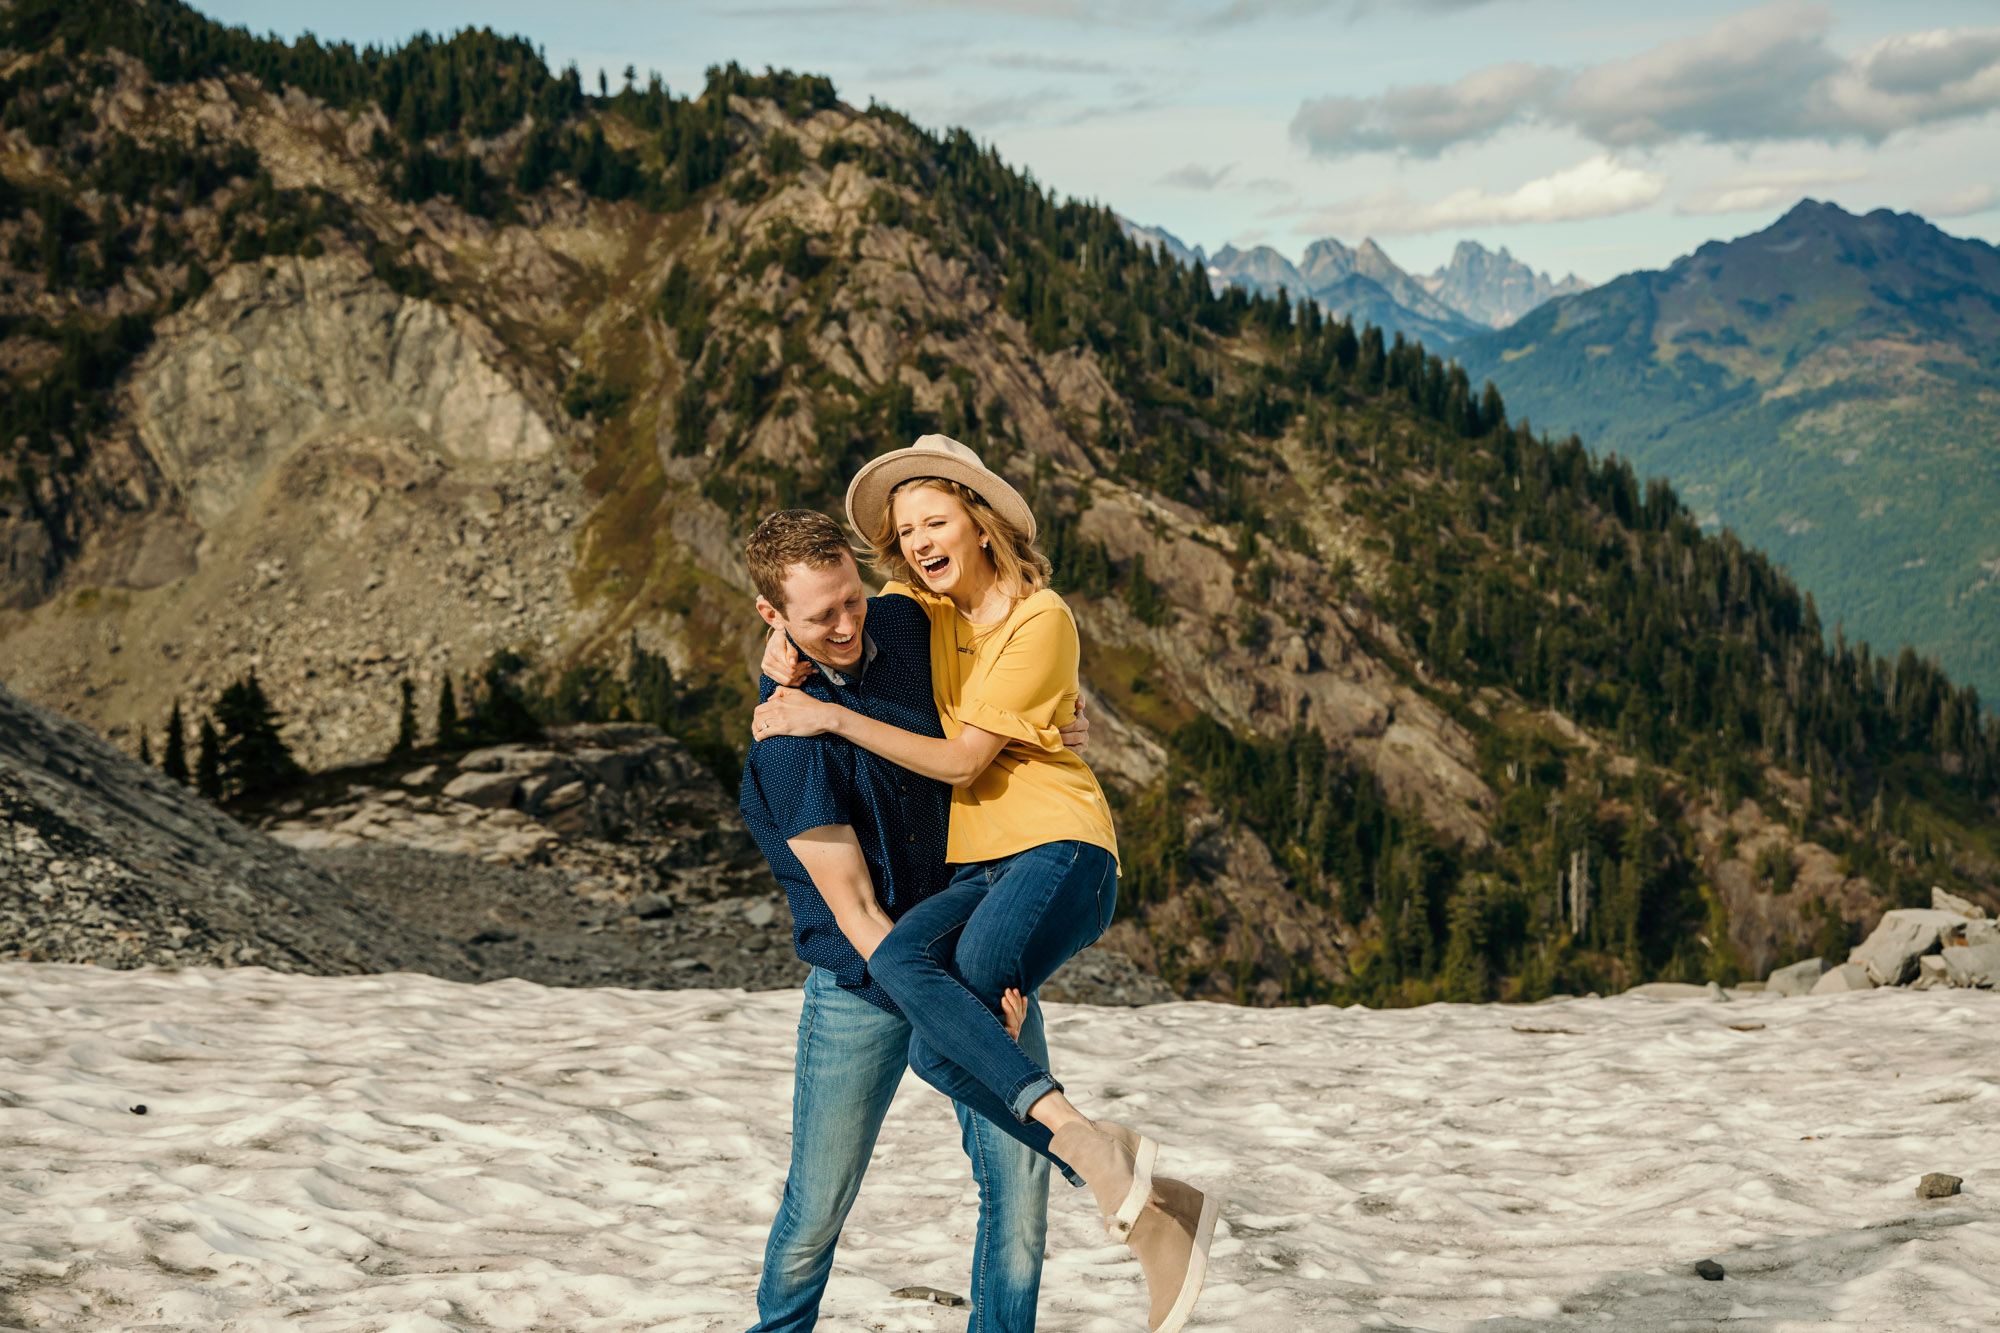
[(402, 1153)]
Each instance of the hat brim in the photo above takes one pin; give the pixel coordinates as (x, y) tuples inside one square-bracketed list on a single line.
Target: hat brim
[(868, 493)]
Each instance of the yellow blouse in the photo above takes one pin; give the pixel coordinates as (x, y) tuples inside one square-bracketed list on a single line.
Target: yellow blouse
[(1016, 678)]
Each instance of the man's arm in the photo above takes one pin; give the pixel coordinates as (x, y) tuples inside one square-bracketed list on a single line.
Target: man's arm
[(832, 857)]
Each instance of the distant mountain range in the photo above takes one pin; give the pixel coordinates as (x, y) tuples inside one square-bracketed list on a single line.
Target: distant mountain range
[(1828, 387), (1478, 291)]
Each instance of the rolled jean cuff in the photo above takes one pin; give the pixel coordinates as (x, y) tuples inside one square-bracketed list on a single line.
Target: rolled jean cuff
[(1029, 1092)]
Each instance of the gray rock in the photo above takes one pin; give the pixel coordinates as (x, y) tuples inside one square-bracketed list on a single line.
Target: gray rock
[(481, 788), (1676, 990), (931, 1294), (1716, 993), (1976, 965), (106, 860), (1931, 973), (761, 913), (418, 777), (1798, 979), (652, 906), (1710, 1270), (1891, 952), (1938, 1185), (1950, 902), (1846, 977)]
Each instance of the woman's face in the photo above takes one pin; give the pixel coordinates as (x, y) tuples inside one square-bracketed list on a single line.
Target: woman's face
[(940, 540)]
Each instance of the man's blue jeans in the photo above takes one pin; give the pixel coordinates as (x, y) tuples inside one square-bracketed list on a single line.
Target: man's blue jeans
[(851, 1057)]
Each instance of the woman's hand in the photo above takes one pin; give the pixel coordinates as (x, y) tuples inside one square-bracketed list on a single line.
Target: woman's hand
[(1076, 735), (790, 712), (1013, 1012), (784, 663)]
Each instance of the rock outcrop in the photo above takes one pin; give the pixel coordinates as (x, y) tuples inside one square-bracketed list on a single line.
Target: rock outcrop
[(104, 860), (1950, 943)]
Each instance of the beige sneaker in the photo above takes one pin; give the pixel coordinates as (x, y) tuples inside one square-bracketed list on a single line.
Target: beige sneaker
[(1171, 1239), (1116, 1163)]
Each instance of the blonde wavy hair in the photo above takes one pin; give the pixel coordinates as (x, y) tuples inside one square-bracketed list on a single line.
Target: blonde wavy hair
[(1020, 565)]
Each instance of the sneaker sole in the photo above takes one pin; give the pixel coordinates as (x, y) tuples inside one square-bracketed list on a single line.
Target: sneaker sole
[(1197, 1271)]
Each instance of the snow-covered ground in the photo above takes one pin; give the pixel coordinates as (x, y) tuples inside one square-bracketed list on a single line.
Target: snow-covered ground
[(404, 1153)]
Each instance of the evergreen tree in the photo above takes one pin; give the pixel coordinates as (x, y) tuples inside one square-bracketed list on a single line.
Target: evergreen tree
[(145, 748), (1467, 979), (255, 761), (175, 762), (208, 762), (406, 721), (500, 710), (450, 731), (1143, 598)]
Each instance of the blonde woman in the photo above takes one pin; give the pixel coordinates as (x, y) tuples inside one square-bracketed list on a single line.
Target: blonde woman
[(1030, 834)]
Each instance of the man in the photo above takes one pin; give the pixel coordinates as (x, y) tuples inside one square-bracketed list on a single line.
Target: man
[(856, 841)]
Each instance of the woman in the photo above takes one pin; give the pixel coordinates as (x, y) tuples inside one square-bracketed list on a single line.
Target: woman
[(1030, 833)]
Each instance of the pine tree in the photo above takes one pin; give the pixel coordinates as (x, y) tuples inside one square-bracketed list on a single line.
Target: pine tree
[(145, 749), (1142, 596), (1466, 978), (175, 762), (450, 732), (406, 721), (255, 761), (208, 762)]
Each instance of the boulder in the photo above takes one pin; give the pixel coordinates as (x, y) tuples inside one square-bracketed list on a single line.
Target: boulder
[(1676, 990), (1890, 954), (487, 789), (1798, 979), (1951, 902), (514, 759), (1930, 973), (1846, 977), (1976, 965), (1938, 1185)]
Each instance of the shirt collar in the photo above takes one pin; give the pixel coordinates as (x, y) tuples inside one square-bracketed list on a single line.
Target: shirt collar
[(868, 651)]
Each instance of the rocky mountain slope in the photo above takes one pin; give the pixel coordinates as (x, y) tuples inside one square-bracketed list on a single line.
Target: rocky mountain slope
[(1494, 289), (1362, 284), (105, 860), (1397, 700), (1828, 387), (1478, 290)]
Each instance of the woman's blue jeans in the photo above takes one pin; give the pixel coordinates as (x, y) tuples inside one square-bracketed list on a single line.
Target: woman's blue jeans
[(1001, 924)]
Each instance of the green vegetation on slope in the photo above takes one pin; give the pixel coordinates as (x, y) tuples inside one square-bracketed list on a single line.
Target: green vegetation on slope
[(1522, 574), (1829, 388)]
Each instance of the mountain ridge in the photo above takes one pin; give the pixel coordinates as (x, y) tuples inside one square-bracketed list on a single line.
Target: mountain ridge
[(1828, 386), (1398, 700)]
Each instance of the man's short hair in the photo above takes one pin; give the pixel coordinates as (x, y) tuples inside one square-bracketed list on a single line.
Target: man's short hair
[(792, 537)]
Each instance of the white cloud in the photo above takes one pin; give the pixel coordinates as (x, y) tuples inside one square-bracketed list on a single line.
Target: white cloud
[(1596, 187), (1960, 203), (1424, 119), (1749, 193), (1764, 75), (1194, 176), (1751, 76)]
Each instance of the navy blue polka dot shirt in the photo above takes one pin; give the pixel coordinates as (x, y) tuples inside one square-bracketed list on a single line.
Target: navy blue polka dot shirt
[(792, 784)]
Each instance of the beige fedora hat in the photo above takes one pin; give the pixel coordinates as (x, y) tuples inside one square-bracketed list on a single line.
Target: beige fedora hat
[(932, 456)]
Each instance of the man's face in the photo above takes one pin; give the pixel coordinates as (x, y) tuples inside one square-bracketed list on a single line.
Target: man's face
[(824, 612)]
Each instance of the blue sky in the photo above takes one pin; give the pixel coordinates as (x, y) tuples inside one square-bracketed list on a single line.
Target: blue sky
[(1583, 135)]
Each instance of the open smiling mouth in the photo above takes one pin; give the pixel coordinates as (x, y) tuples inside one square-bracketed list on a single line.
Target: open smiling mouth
[(935, 566)]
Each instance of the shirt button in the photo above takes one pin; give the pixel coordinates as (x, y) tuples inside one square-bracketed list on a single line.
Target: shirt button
[(913, 837)]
